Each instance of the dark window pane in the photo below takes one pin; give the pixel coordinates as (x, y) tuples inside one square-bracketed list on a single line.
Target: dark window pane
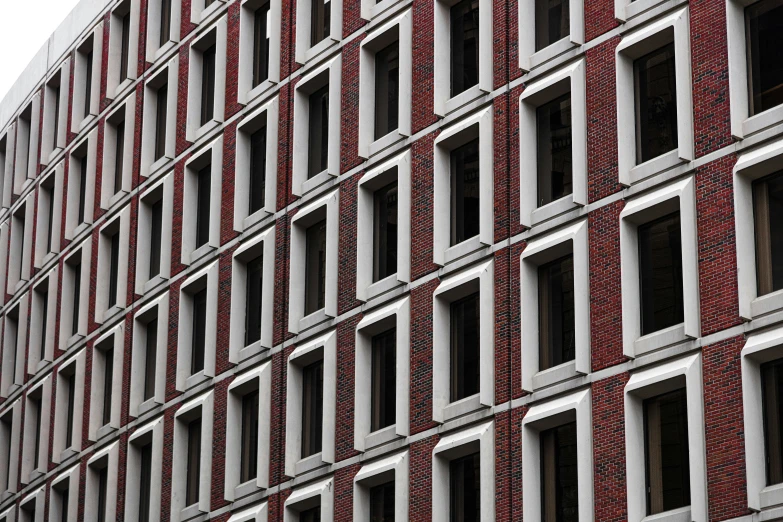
[(656, 104), (249, 464), (7, 432), (103, 485), (87, 82), (385, 232), (384, 380), (156, 237), (257, 170), (261, 44), (465, 192), (555, 166), (82, 187), (311, 515), (666, 451), (125, 49), (203, 203), (207, 85), (161, 109), (387, 80), (37, 446), (551, 22), (465, 347), (320, 17), (318, 131), (199, 331), (556, 313), (382, 503), (44, 300), (114, 268), (315, 269), (64, 504), (768, 210), (77, 286), (165, 21), (764, 31), (772, 406), (465, 489), (312, 408), (559, 492), (660, 260), (193, 463), (464, 46), (50, 231), (255, 271), (108, 377), (56, 121), (150, 352), (145, 482)]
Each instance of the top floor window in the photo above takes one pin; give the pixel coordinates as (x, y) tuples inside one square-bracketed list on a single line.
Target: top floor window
[(125, 46), (656, 103), (261, 44), (552, 19), (320, 17), (763, 22), (464, 46), (165, 22)]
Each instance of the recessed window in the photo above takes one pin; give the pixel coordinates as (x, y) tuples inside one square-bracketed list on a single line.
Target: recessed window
[(161, 110), (554, 158), (315, 270), (208, 56), (193, 471), (666, 452), (464, 46), (465, 488), (557, 334), (559, 491), (320, 17), (70, 400), (145, 482), (76, 278), (384, 380), (82, 189), (198, 341), (465, 347), (88, 65), (656, 103), (552, 22), (387, 89), (768, 210), (382, 502), (765, 73), (156, 237), (385, 226), (772, 405), (257, 192), (60, 501), (465, 192), (254, 293), (310, 515), (108, 372), (203, 195), (312, 408), (318, 127), (11, 349), (35, 411), (660, 269), (42, 304), (249, 449), (261, 31), (165, 22), (114, 262), (125, 28), (150, 359), (103, 485)]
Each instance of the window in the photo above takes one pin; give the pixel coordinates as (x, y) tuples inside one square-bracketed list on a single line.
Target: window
[(100, 500), (656, 107), (80, 191), (203, 189), (69, 407), (319, 20), (153, 241), (113, 245), (158, 135), (464, 46), (56, 96), (555, 27), (261, 43), (207, 84), (192, 471), (315, 269), (19, 258), (767, 206), (318, 131), (164, 30), (76, 292), (387, 91), (551, 21), (10, 434), (558, 473), (557, 341), (197, 328), (765, 74), (42, 322), (148, 359), (63, 497), (88, 74), (378, 488), (257, 170), (150, 351), (465, 488), (772, 385), (555, 163), (114, 268), (35, 453), (143, 469), (259, 47), (318, 26), (70, 394), (118, 153), (382, 502), (145, 482), (199, 331), (312, 408), (202, 197), (384, 390), (464, 192), (156, 237), (255, 269), (76, 286), (87, 79), (311, 502), (14, 343), (49, 217), (193, 462), (106, 385), (207, 80), (249, 447), (27, 134), (123, 47), (161, 109), (464, 347)]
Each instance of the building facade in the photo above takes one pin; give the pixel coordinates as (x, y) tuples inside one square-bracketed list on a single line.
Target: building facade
[(450, 260)]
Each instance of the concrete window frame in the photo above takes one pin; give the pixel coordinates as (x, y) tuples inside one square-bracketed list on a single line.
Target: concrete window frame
[(259, 513), (212, 155), (477, 125), (114, 87), (153, 49), (305, 51), (9, 515), (12, 417), (262, 244), (246, 93), (478, 278), (52, 145), (673, 27), (206, 278), (751, 166), (680, 195), (258, 379), (14, 344), (65, 481), (113, 339), (106, 458), (126, 114), (120, 224), (328, 207), (93, 42), (7, 144), (51, 186), (85, 150), (47, 283), (266, 116), (217, 36), (41, 392), (151, 433), (157, 309), (393, 468), (328, 73), (317, 494), (399, 29), (626, 10), (397, 168), (550, 414), (34, 502), (21, 245), (321, 348), (167, 76), (686, 373), (162, 190), (81, 254), (529, 58), (569, 79), (27, 132), (444, 103), (573, 240), (199, 407), (200, 11), (458, 444), (75, 365), (397, 316)]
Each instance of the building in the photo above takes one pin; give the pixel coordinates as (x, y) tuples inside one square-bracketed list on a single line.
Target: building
[(338, 260)]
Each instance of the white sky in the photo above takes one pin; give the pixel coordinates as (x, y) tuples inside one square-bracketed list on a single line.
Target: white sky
[(24, 27)]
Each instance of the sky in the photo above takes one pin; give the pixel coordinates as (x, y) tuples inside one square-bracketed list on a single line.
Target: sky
[(25, 25)]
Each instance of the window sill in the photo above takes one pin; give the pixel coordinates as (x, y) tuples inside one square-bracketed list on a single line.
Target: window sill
[(767, 303), (316, 181), (42, 365), (153, 283), (19, 285), (550, 376), (80, 230), (73, 341), (53, 154), (48, 258), (380, 437), (110, 314), (314, 319), (199, 253), (462, 249), (114, 199), (162, 51), (384, 143), (157, 166), (257, 91), (660, 339), (381, 287), (68, 454), (255, 218), (382, 10), (675, 515), (119, 91), (35, 475), (192, 512), (148, 405), (195, 379), (552, 51), (86, 121), (206, 13), (243, 490), (462, 407), (205, 129), (321, 47), (761, 121), (250, 350), (462, 99), (654, 166), (104, 431), (553, 209), (310, 463), (771, 496), (635, 8)]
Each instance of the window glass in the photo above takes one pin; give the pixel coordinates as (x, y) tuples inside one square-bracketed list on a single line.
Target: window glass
[(559, 491), (43, 299), (103, 486), (108, 375), (249, 464), (464, 46), (320, 16), (465, 489), (385, 224), (145, 482), (763, 24), (114, 262), (318, 131), (161, 108), (82, 187), (156, 237), (261, 44), (656, 104), (465, 192), (203, 191), (557, 341), (165, 21), (768, 210), (311, 515), (555, 163), (382, 503), (772, 388), (87, 82), (312, 408), (207, 84), (315, 270), (199, 331), (37, 411), (387, 79), (384, 379), (257, 170), (255, 270), (465, 358), (125, 49), (50, 231), (551, 22), (76, 270), (193, 470), (64, 504), (150, 361)]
